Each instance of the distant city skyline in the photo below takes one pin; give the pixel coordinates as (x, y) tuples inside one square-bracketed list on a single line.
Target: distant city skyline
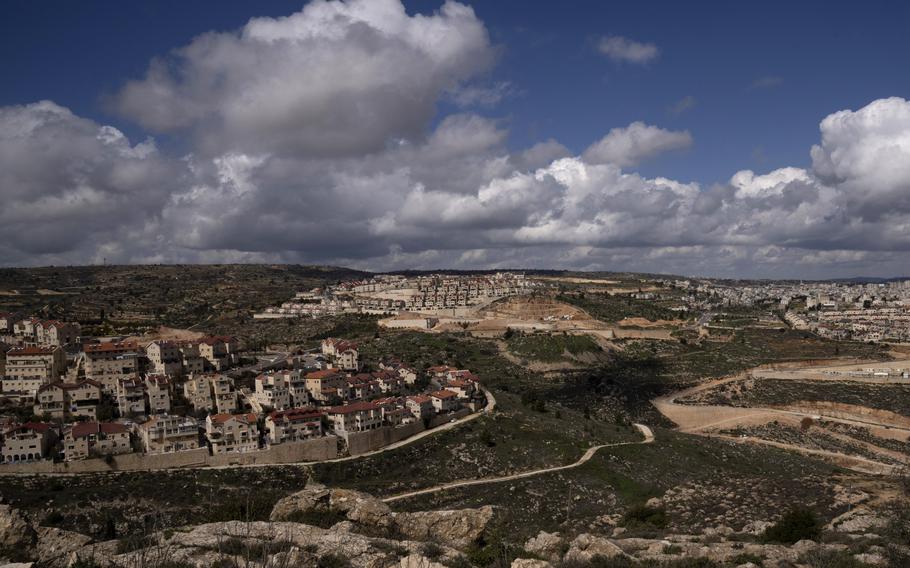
[(713, 140)]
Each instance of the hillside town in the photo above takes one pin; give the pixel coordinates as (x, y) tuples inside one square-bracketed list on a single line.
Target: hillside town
[(67, 398), (437, 294), (868, 312)]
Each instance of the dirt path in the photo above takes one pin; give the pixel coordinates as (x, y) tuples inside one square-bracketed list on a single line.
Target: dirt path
[(856, 463), (646, 432), (698, 419)]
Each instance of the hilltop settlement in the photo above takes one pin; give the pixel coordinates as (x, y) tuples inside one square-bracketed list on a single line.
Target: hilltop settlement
[(68, 398)]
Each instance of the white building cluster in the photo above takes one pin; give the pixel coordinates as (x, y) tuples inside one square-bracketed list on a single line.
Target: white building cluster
[(121, 397), (873, 312), (392, 294)]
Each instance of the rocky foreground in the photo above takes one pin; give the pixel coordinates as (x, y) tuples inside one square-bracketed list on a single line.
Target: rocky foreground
[(363, 532)]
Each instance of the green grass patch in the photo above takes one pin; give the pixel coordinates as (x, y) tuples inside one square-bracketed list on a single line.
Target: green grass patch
[(551, 348)]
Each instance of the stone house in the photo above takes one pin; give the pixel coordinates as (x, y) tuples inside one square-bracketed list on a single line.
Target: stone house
[(293, 425), (164, 434), (354, 417), (157, 394), (93, 439), (27, 442), (421, 406), (28, 368), (109, 362), (69, 400), (232, 433), (444, 401)]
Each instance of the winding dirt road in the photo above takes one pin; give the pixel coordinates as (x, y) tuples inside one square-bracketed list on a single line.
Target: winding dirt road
[(701, 419), (646, 432)]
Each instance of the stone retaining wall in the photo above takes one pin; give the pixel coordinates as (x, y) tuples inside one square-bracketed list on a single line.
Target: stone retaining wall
[(363, 442), (319, 449)]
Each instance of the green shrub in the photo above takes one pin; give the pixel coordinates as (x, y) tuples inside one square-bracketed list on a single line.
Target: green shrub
[(54, 519), (831, 559), (85, 563), (332, 561), (321, 519), (644, 516), (431, 550), (797, 524), (135, 542)]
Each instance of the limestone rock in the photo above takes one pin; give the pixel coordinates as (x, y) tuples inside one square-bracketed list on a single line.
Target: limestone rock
[(457, 528), (55, 544), (418, 561), (314, 498), (359, 508), (530, 563), (756, 527), (261, 544), (857, 521), (546, 545), (17, 535), (805, 546), (586, 546), (874, 559), (655, 503)]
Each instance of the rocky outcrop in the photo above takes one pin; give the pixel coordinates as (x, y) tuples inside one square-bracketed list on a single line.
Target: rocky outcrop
[(362, 509), (18, 537), (530, 563), (260, 544), (550, 546), (419, 561), (55, 545), (315, 500), (458, 528), (586, 546), (365, 513), (428, 539)]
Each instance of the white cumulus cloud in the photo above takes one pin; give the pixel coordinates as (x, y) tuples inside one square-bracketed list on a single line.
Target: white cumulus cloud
[(635, 143), (619, 48)]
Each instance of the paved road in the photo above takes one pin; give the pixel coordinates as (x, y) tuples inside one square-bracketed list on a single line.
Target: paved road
[(259, 366), (646, 432)]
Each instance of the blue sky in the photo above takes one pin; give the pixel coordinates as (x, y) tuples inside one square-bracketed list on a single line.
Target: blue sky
[(367, 125), (827, 56)]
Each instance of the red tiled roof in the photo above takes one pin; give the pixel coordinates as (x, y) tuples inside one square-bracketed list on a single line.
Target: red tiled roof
[(160, 380), (353, 407), (419, 398), (33, 426), (82, 429), (296, 414), (31, 351), (323, 374), (113, 428), (443, 394), (69, 386), (341, 344), (109, 346)]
